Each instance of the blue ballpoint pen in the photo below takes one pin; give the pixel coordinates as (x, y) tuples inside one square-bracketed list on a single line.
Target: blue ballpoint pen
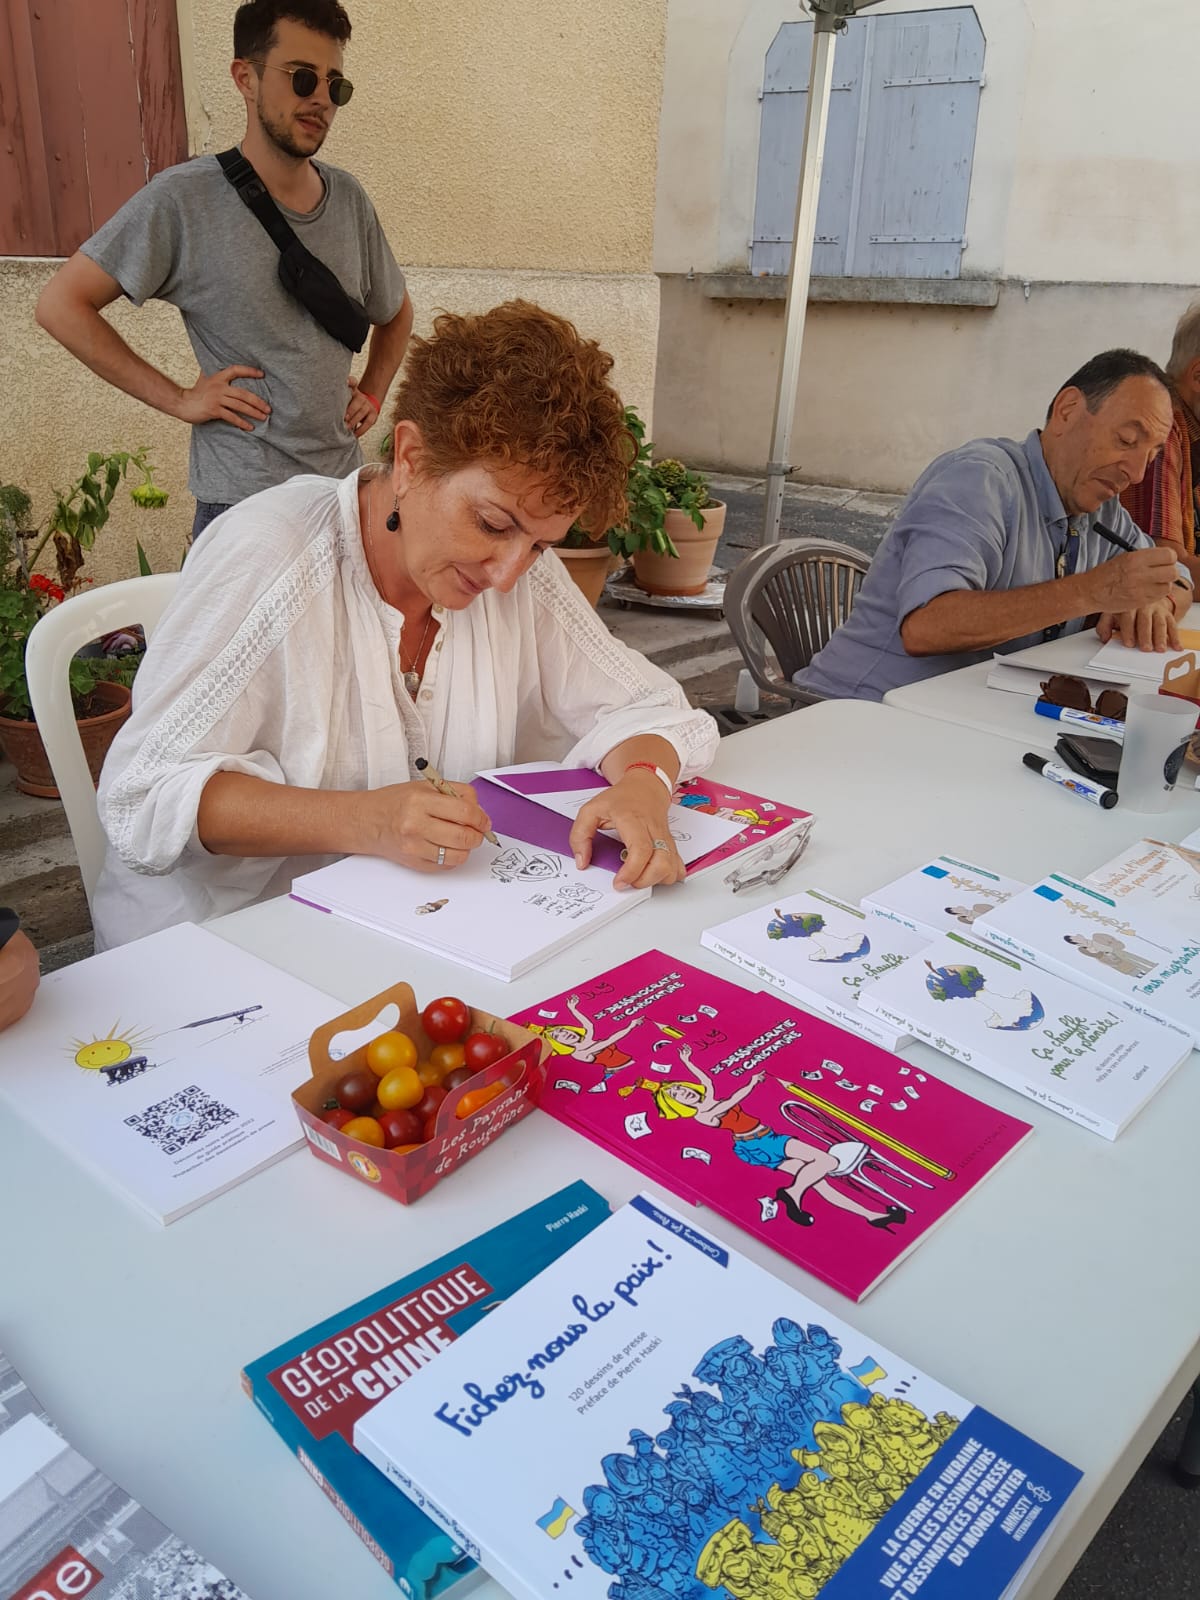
[(1102, 727)]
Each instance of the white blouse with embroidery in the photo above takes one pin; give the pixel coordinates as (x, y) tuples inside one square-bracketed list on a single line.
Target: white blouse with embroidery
[(278, 657)]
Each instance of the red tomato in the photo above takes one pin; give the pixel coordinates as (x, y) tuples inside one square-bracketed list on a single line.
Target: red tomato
[(482, 1049), (456, 1079), (478, 1098), (429, 1127), (430, 1100), (400, 1089), (446, 1020), (400, 1127), (337, 1116), (447, 1057), (366, 1130), (388, 1050), (356, 1090)]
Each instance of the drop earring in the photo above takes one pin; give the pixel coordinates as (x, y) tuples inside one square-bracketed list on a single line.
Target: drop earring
[(393, 517)]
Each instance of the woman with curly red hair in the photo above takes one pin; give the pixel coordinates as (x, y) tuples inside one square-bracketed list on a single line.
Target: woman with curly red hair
[(329, 633)]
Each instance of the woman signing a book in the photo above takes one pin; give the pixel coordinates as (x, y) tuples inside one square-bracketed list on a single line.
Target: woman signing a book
[(329, 634)]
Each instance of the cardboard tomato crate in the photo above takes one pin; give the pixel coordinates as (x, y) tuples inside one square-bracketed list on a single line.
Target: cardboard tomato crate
[(408, 1176)]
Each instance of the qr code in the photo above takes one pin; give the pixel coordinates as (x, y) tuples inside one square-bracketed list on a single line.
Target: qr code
[(180, 1119)]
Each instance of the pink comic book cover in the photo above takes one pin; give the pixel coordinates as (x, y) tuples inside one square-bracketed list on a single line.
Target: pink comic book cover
[(836, 1153), (766, 820)]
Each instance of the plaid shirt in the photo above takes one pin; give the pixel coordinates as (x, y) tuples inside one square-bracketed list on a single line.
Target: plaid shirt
[(1165, 504)]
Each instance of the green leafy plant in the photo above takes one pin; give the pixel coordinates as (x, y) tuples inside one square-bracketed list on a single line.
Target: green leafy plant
[(79, 512), (655, 487)]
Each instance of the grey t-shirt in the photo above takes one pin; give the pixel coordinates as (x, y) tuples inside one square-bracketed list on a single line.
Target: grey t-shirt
[(985, 516), (187, 238)]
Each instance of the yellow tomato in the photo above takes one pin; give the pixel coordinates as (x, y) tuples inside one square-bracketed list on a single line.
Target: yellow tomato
[(430, 1074), (365, 1129), (400, 1089), (390, 1050), (447, 1057)]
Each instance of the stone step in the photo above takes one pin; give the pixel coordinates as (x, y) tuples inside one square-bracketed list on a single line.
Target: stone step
[(25, 820), (664, 637)]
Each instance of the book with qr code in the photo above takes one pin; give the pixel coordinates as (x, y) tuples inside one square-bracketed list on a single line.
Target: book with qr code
[(820, 950), (169, 1063), (688, 1426), (838, 1154), (314, 1388), (66, 1529)]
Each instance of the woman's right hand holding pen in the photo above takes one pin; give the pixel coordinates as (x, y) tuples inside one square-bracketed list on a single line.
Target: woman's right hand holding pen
[(409, 823)]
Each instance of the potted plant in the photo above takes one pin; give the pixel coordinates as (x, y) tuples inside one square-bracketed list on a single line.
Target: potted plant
[(588, 560), (100, 682), (673, 525)]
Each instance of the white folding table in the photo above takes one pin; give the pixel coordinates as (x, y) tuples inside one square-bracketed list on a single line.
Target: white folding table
[(1062, 1295)]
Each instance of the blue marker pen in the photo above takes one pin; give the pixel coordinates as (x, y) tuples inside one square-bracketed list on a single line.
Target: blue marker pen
[(1097, 793), (1102, 727)]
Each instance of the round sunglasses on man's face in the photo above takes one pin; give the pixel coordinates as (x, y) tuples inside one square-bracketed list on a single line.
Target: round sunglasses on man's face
[(305, 80)]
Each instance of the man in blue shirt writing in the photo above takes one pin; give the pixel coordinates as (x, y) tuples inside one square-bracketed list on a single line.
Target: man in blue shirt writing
[(996, 546)]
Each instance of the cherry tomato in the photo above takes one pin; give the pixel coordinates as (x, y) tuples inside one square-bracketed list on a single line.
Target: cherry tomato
[(337, 1116), (446, 1020), (447, 1057), (388, 1050), (401, 1127), (429, 1073), (456, 1079), (400, 1089), (478, 1098), (403, 1149), (482, 1049), (356, 1090), (430, 1127), (430, 1101), (366, 1130)]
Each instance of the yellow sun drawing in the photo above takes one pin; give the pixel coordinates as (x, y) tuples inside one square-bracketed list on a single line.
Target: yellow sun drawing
[(110, 1049)]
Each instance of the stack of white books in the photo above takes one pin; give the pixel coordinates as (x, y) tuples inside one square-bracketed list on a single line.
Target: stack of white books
[(943, 896), (1153, 869)]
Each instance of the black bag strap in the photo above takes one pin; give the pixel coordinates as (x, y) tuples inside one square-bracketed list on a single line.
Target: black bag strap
[(253, 192)]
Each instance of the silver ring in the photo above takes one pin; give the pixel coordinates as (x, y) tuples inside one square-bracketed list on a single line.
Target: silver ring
[(661, 844), (441, 859)]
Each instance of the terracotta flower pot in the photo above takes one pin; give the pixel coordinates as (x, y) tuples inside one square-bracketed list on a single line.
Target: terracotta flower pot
[(588, 569), (22, 743), (686, 573)]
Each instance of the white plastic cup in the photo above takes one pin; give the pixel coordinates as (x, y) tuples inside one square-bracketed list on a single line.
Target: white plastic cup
[(1157, 729), (745, 696)]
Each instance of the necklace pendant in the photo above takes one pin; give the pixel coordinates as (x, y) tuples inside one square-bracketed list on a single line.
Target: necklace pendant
[(412, 682)]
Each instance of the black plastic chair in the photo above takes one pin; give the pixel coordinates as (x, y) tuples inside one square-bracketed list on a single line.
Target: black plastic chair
[(791, 597)]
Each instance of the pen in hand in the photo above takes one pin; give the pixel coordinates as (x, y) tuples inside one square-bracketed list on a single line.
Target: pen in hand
[(1113, 538), (431, 773)]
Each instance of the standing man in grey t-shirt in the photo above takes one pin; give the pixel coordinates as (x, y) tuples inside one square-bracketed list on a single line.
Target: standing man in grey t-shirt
[(274, 396)]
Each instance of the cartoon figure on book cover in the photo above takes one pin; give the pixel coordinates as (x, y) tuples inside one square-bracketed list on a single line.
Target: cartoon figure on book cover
[(1012, 1013), (826, 945), (762, 1483), (808, 1168), (1112, 952), (967, 914), (578, 1039)]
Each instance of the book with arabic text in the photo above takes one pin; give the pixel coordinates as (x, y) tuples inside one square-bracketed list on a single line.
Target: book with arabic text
[(1093, 1060), (315, 1386), (688, 1426), (821, 951), (832, 1151)]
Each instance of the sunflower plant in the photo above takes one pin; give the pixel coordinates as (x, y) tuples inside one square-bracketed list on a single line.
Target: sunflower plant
[(26, 594)]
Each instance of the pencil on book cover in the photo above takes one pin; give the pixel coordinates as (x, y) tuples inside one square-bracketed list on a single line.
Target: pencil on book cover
[(428, 770)]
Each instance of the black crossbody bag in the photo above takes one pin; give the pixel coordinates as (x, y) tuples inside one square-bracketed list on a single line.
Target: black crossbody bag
[(301, 273)]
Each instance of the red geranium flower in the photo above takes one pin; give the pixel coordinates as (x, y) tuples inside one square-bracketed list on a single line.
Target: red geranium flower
[(47, 586)]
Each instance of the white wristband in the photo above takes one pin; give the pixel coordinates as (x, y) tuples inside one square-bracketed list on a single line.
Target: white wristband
[(648, 766)]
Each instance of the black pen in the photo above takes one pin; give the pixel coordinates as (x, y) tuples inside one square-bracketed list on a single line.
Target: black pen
[(1113, 538)]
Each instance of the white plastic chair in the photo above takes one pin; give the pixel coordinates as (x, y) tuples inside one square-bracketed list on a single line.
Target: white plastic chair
[(48, 654)]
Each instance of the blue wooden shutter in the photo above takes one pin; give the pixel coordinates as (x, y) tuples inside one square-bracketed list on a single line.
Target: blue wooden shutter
[(898, 152)]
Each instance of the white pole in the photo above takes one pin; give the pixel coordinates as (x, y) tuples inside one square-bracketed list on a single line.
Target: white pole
[(816, 120)]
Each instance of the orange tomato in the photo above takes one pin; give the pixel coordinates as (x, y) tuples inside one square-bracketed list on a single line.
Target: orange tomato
[(390, 1050), (365, 1129), (403, 1149), (447, 1057), (430, 1074), (400, 1089), (478, 1098)]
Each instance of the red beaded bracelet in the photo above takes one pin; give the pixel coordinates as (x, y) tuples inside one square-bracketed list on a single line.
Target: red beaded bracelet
[(657, 771)]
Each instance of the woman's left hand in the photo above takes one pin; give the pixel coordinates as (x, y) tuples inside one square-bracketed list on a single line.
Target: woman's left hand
[(636, 809)]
